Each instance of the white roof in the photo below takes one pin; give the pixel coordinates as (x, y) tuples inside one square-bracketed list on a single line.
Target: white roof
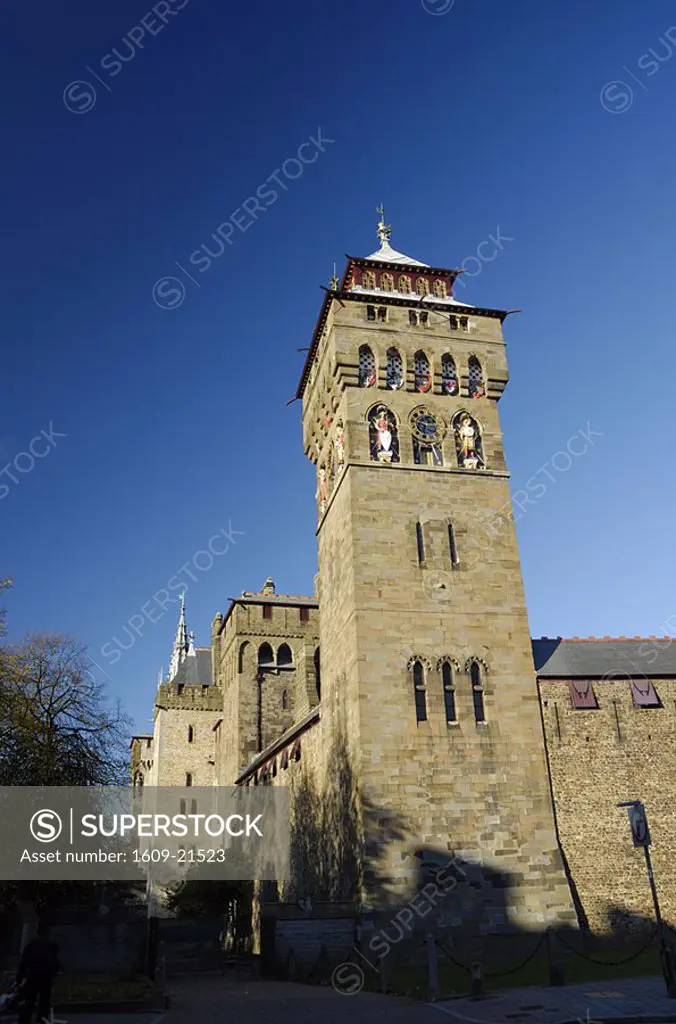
[(386, 254), (410, 296)]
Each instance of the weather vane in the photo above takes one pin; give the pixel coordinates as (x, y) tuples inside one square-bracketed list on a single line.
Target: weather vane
[(384, 230), (334, 280)]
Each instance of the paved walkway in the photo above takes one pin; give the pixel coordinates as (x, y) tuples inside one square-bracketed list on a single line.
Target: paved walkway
[(210, 999), (636, 999)]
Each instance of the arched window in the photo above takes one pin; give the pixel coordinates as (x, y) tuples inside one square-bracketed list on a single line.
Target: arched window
[(476, 378), (395, 369), (368, 279), (419, 691), (440, 289), (422, 286), (318, 680), (387, 282), (468, 443), (449, 375), (405, 284), (449, 691), (284, 657), (477, 691), (383, 435), (265, 656), (240, 657), (285, 700), (191, 734), (423, 376), (367, 367)]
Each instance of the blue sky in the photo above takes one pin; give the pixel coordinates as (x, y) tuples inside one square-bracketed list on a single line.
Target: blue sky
[(550, 122)]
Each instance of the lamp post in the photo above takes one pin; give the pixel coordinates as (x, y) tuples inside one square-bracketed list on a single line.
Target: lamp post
[(640, 834)]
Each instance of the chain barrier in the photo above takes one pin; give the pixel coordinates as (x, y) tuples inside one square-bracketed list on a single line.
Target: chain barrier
[(314, 970), (452, 958), (513, 970), (608, 963), (496, 974)]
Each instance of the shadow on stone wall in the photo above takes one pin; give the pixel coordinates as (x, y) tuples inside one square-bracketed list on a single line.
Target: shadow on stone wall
[(467, 907), (340, 841), (330, 828)]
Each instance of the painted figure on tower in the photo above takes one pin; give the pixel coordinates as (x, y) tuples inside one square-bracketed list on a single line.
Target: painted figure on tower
[(468, 442), (383, 435)]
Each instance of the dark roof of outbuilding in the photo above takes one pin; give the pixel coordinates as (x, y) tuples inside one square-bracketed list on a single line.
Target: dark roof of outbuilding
[(195, 669), (613, 657)]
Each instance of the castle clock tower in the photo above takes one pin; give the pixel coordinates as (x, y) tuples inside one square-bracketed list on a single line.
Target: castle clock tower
[(427, 671)]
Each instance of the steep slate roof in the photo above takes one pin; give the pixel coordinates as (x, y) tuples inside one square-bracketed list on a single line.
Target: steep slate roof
[(195, 669), (612, 657)]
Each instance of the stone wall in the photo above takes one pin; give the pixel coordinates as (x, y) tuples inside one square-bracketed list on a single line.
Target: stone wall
[(597, 759), (176, 754), (309, 939), (115, 948), (286, 693)]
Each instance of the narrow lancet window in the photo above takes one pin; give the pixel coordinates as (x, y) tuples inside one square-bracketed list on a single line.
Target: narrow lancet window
[(419, 692), (449, 692), (420, 543)]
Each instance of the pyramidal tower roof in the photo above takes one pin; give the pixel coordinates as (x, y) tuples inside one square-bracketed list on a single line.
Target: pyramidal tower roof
[(181, 642), (386, 254)]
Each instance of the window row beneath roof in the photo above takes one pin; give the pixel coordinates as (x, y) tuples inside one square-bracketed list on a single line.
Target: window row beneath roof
[(267, 612), (405, 284), (420, 318), (422, 373), (583, 695), (267, 772)]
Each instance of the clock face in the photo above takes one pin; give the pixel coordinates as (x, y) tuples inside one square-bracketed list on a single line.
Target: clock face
[(427, 427)]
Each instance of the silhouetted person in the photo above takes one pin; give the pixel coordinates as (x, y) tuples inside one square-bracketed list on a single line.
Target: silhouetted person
[(38, 964)]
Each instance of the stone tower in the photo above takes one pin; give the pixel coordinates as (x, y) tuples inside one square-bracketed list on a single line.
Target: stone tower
[(266, 664), (188, 705), (427, 670)]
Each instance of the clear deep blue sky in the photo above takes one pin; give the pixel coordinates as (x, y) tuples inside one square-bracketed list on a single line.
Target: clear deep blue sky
[(488, 115)]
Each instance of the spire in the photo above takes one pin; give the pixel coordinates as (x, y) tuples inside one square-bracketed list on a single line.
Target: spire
[(386, 254), (180, 642), (384, 231)]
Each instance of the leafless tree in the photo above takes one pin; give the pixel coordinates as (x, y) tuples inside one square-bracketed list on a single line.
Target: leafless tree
[(56, 724)]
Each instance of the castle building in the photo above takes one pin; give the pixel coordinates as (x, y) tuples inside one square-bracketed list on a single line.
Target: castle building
[(431, 729)]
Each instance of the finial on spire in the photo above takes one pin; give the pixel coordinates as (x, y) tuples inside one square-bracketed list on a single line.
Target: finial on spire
[(180, 642), (334, 280), (384, 231)]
